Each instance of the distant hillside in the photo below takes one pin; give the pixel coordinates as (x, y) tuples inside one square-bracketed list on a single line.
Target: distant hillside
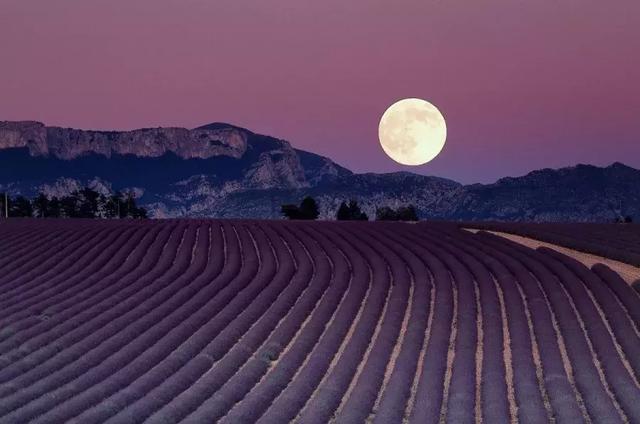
[(220, 170), (580, 193)]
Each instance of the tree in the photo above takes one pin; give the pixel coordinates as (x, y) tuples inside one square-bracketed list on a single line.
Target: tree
[(129, 204), (385, 213), (134, 211), (343, 214), (351, 212), (41, 206), (627, 219), (120, 205), (403, 213), (111, 206), (131, 210), (407, 213), (290, 211), (20, 207), (356, 212), (309, 209), (88, 203), (69, 206), (4, 207), (55, 208), (140, 213)]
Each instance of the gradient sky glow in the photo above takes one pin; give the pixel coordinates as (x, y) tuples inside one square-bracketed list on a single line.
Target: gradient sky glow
[(522, 84)]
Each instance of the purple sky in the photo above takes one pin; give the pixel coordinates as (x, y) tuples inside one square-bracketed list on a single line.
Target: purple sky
[(522, 84)]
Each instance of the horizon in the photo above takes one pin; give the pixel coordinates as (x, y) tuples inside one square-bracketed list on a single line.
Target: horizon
[(406, 169), (522, 86)]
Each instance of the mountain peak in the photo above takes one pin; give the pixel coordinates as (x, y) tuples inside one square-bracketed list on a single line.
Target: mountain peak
[(217, 126), (619, 165)]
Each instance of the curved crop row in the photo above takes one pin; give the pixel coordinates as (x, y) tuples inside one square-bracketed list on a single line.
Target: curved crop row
[(614, 241)]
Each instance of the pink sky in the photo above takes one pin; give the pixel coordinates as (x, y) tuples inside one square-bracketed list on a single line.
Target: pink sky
[(522, 84)]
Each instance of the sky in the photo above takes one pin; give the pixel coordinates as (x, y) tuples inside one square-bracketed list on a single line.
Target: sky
[(522, 84)]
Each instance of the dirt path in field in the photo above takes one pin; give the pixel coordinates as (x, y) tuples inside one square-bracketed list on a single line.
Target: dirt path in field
[(628, 272)]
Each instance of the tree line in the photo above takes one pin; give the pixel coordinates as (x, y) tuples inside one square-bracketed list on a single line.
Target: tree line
[(88, 203), (348, 211), (84, 203)]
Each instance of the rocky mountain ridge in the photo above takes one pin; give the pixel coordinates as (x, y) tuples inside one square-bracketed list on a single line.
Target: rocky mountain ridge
[(220, 170), (70, 143)]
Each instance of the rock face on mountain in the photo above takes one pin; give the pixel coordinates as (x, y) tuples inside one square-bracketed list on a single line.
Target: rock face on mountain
[(26, 134), (69, 143), (220, 170)]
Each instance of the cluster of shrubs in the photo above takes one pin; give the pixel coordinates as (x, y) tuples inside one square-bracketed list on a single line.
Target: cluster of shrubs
[(403, 213), (308, 209), (350, 212), (85, 203), (624, 220)]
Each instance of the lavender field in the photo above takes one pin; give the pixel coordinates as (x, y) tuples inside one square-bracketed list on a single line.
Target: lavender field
[(615, 241), (241, 321)]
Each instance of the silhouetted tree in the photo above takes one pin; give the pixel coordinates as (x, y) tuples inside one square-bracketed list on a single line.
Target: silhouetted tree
[(309, 208), (20, 207), (127, 207), (407, 213), (128, 204), (3, 198), (119, 204), (385, 213), (111, 208), (87, 203), (133, 210), (627, 219), (55, 208), (70, 206), (290, 211), (343, 214), (41, 206), (140, 213), (351, 212), (403, 213), (356, 212)]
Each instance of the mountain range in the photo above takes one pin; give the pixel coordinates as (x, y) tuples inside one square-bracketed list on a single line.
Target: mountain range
[(221, 170)]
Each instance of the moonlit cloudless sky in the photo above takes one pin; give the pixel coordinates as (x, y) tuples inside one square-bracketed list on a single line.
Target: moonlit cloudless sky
[(522, 84)]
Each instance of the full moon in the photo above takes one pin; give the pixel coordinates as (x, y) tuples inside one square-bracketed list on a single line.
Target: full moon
[(412, 131)]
